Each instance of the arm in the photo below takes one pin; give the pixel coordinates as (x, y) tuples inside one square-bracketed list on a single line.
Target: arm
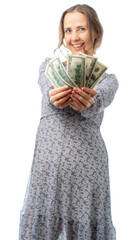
[(60, 97), (42, 79), (106, 90), (87, 102)]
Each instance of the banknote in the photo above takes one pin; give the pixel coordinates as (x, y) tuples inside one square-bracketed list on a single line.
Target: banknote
[(54, 77), (59, 68), (82, 71), (98, 71), (76, 68), (90, 63)]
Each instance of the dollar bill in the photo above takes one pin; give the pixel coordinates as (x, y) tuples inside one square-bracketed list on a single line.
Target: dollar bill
[(76, 66), (54, 77), (90, 63), (97, 73), (59, 68), (82, 70)]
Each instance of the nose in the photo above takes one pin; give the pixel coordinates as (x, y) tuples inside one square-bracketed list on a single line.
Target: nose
[(75, 36)]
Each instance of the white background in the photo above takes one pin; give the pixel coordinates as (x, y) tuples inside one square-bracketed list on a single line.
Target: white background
[(29, 33)]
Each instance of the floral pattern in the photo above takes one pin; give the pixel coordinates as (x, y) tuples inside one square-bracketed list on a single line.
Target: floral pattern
[(68, 192)]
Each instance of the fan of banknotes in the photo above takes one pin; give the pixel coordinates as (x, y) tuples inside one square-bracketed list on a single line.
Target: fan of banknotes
[(82, 71)]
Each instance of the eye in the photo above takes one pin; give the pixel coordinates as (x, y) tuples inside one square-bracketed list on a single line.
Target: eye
[(68, 30), (82, 29)]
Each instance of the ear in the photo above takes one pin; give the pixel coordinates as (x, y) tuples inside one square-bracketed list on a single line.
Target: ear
[(95, 41), (94, 35)]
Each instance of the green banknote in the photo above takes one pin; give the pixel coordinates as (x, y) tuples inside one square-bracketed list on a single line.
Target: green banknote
[(59, 68), (54, 77), (98, 71), (76, 66), (90, 63), (82, 71)]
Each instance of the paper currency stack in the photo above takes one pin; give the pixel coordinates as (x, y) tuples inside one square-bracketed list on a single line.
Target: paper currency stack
[(81, 71)]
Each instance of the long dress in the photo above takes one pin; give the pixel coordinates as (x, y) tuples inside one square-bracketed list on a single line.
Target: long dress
[(68, 192)]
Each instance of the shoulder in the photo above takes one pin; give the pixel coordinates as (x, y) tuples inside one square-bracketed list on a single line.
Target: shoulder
[(108, 84), (42, 79), (43, 65), (107, 76), (110, 79)]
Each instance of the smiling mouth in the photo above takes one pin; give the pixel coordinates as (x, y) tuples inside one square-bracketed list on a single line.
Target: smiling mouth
[(77, 46)]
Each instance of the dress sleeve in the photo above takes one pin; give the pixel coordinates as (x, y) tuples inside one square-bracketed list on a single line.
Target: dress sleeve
[(106, 90), (43, 82)]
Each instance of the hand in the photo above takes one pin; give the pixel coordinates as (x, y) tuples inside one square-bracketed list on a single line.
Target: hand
[(82, 98), (60, 97)]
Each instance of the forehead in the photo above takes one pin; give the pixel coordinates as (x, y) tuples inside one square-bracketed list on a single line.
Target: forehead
[(72, 19)]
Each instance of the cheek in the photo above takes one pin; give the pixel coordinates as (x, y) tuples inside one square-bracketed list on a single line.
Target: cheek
[(67, 39), (87, 38)]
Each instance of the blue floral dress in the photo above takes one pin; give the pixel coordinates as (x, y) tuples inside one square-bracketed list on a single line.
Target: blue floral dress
[(68, 192)]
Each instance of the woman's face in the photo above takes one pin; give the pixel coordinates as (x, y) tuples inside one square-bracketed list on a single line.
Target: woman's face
[(76, 33)]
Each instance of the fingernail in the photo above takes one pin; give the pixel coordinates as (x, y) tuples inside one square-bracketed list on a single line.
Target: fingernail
[(73, 94), (66, 87), (68, 90)]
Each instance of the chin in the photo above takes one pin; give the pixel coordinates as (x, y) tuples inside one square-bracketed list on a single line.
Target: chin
[(77, 51)]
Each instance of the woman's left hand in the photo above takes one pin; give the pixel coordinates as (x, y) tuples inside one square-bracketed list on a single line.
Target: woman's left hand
[(82, 98)]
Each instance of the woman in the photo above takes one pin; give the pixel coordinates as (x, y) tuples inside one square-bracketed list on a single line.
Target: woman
[(68, 194)]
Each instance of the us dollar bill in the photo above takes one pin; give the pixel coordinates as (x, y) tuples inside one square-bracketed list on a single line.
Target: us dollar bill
[(97, 73), (59, 68), (76, 66), (54, 77), (90, 63)]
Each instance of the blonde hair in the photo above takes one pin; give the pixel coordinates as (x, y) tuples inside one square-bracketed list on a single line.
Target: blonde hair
[(93, 23)]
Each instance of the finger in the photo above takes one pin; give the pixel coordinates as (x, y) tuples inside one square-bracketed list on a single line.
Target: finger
[(79, 105), (89, 91), (66, 103), (75, 106), (83, 94), (85, 101), (63, 101), (60, 95), (58, 90)]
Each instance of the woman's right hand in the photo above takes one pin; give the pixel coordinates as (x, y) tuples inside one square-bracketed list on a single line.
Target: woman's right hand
[(60, 97)]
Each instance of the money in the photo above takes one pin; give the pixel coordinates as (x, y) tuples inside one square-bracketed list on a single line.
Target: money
[(82, 71), (59, 68), (90, 63), (54, 77), (76, 69), (97, 73)]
